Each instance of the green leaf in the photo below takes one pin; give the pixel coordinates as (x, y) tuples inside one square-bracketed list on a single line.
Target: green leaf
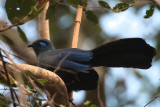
[(42, 80), (30, 86), (21, 11), (11, 81), (93, 105), (8, 40), (36, 104), (149, 12), (87, 103), (40, 103), (104, 4), (29, 73), (50, 10), (35, 12), (5, 81), (120, 7), (133, 1), (91, 16), (22, 34), (75, 3)]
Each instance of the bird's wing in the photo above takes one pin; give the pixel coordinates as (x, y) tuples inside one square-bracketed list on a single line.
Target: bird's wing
[(76, 59), (72, 59)]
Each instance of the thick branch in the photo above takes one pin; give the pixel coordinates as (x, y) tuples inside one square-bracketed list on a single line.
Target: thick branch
[(54, 85), (43, 24)]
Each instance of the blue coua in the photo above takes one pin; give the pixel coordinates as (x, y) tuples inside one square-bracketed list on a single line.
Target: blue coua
[(76, 64)]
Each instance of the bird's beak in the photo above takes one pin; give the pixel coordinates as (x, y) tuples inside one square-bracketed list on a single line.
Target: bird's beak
[(30, 45)]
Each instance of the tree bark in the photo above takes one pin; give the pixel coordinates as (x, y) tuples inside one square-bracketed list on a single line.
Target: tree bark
[(54, 86), (43, 24), (77, 26)]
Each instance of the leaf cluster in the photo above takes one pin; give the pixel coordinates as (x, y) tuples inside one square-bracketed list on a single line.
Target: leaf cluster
[(26, 10)]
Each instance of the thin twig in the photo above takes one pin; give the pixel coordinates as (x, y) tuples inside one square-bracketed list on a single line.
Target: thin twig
[(10, 101), (18, 56), (8, 80), (7, 27), (16, 96), (155, 97), (99, 97), (76, 32), (60, 63)]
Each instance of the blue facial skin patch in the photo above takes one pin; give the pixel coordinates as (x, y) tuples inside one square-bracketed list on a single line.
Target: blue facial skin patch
[(43, 44)]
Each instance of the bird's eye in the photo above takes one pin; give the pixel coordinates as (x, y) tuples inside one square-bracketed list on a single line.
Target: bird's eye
[(42, 44)]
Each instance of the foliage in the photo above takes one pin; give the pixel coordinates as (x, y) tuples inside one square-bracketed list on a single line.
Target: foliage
[(91, 16), (8, 40), (149, 12), (22, 10), (22, 34), (89, 104), (18, 15), (120, 7), (104, 4)]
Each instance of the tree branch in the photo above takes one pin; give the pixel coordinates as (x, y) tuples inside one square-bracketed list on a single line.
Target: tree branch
[(77, 26), (8, 80), (54, 85), (43, 24)]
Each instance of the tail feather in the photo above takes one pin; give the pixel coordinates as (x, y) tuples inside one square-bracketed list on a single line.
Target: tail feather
[(130, 52)]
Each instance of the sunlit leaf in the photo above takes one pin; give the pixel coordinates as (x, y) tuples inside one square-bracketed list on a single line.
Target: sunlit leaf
[(42, 80), (149, 12), (91, 16), (22, 34), (104, 4), (87, 103), (5, 81), (27, 91), (120, 7), (8, 40), (12, 81)]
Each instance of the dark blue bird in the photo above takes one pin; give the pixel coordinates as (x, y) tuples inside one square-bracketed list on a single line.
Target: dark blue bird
[(75, 65)]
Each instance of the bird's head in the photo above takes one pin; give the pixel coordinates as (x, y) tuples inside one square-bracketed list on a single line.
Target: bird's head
[(41, 45)]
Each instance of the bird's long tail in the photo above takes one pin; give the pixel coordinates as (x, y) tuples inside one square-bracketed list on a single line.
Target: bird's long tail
[(130, 52)]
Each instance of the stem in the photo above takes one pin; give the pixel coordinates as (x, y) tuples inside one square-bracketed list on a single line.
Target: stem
[(8, 80), (43, 24), (77, 26), (76, 33)]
